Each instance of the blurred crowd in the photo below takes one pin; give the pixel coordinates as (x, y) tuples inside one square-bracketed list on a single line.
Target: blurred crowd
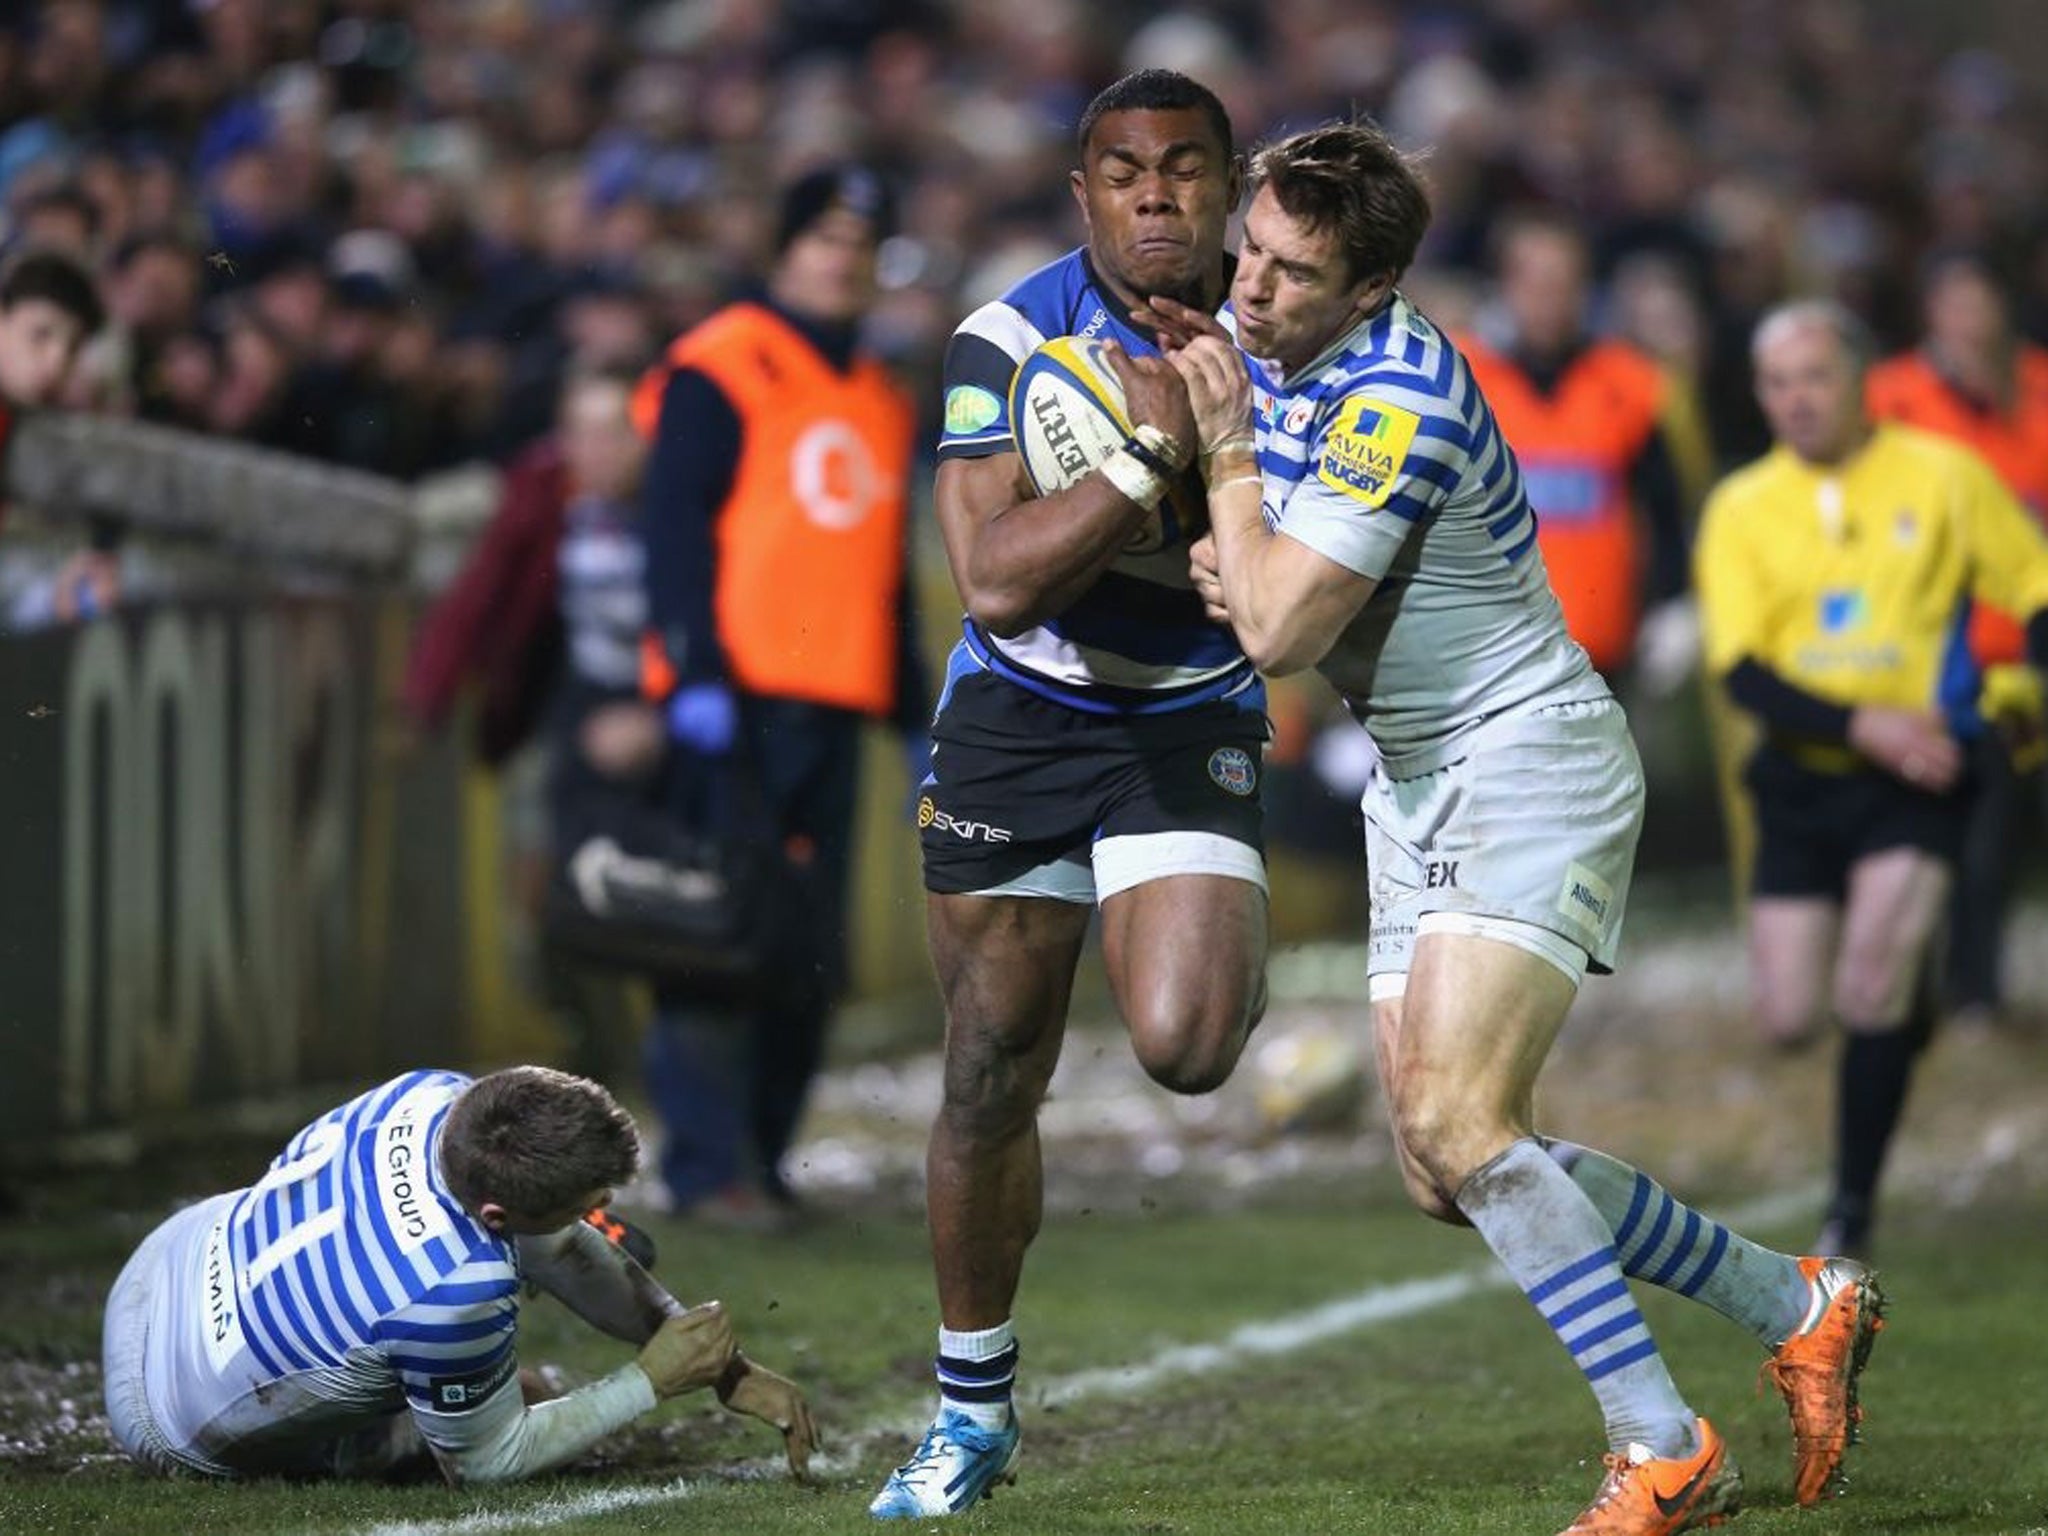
[(380, 232)]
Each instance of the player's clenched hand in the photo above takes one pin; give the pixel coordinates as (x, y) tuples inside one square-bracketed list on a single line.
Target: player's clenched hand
[(1912, 745), (761, 1394), (688, 1351), (1203, 572), (1219, 389), (1154, 396)]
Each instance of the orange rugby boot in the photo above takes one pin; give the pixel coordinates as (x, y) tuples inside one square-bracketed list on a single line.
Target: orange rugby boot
[(1647, 1495), (1816, 1371)]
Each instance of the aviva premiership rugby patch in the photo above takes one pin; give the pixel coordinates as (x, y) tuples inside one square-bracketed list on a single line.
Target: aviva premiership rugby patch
[(1364, 448), (1233, 769), (969, 408)]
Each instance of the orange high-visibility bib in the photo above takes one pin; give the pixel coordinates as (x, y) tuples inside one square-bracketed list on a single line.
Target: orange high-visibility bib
[(1908, 388), (809, 542), (1577, 446)]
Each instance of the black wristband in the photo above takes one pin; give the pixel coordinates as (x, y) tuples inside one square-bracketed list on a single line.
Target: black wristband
[(1156, 462)]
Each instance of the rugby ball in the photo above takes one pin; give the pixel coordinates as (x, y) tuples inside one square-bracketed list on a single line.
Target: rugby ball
[(1067, 411), (1067, 405)]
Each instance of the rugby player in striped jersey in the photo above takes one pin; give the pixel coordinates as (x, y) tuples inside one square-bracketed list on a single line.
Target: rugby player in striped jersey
[(353, 1312), (1369, 520)]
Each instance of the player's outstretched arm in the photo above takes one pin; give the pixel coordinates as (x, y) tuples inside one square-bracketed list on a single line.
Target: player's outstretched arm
[(1018, 558), (487, 1432), (603, 1285)]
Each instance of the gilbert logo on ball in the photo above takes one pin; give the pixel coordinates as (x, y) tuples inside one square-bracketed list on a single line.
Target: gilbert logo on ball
[(1067, 406), (1068, 412)]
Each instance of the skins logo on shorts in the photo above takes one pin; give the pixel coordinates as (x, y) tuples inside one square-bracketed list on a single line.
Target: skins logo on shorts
[(1364, 450), (1233, 770), (969, 408), (1585, 897), (931, 818)]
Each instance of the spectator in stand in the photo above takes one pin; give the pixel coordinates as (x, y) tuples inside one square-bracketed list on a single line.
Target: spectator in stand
[(1975, 380), (1587, 416), (48, 309), (154, 285), (62, 218), (545, 621)]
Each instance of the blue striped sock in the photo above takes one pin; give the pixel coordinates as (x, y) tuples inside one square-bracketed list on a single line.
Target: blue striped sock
[(1559, 1251), (977, 1372), (1671, 1245)]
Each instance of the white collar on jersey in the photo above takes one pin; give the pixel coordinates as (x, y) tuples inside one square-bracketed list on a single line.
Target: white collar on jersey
[(1340, 344)]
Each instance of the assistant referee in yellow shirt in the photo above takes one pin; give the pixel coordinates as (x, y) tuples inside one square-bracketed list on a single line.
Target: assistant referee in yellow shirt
[(1834, 576)]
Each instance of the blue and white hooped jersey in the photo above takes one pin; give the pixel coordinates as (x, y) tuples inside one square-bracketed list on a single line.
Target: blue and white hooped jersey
[(1383, 456), (1137, 641), (347, 1278)]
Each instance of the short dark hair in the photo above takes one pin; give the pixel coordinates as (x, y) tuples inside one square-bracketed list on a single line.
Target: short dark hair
[(534, 1140), (1156, 90), (1351, 178), (1537, 219), (54, 278), (64, 197)]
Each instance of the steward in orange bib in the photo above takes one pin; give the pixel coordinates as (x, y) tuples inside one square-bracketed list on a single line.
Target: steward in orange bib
[(777, 499), (1585, 418), (1975, 382)]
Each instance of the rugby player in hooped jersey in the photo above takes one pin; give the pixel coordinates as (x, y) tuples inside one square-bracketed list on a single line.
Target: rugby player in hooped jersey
[(1097, 742), (354, 1310), (1369, 521)]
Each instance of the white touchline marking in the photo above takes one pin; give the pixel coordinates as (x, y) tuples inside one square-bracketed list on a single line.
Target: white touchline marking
[(1368, 1308), (548, 1512)]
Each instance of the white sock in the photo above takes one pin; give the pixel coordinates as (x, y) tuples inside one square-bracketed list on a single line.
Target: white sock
[(977, 1372)]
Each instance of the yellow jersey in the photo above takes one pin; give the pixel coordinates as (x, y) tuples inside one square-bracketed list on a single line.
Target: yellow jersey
[(1851, 580)]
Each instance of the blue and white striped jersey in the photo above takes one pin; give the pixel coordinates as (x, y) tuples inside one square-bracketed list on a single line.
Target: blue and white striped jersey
[(1136, 642), (1383, 456), (344, 1282)]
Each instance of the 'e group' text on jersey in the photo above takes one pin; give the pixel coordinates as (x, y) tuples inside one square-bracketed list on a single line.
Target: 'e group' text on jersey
[(1137, 641), (1382, 456)]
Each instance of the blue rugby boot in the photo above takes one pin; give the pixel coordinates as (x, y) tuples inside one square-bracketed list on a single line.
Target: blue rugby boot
[(955, 1464)]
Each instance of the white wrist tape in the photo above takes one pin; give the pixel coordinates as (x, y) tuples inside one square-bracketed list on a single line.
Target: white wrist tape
[(1134, 478)]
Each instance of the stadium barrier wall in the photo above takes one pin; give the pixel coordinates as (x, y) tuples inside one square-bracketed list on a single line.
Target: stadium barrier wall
[(230, 877)]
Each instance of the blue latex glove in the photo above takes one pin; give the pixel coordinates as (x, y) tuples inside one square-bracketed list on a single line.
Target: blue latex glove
[(703, 717)]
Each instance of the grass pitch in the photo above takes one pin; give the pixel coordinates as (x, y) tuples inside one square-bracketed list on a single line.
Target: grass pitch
[(1184, 1369), (1464, 1417)]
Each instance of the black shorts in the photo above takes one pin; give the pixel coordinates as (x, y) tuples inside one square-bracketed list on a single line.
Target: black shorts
[(1812, 826), (1020, 784)]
